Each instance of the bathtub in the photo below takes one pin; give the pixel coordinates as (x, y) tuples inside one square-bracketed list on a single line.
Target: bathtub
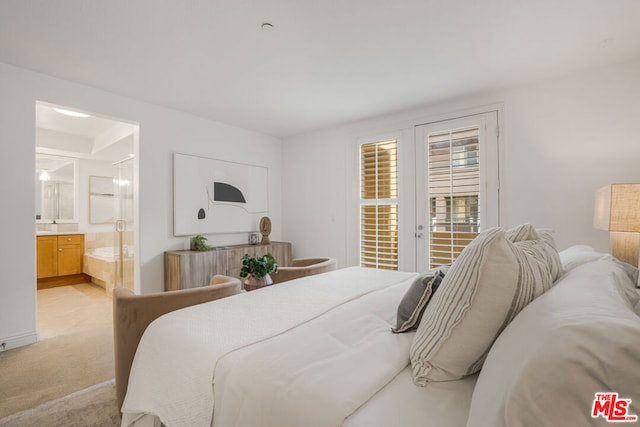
[(100, 264), (108, 252)]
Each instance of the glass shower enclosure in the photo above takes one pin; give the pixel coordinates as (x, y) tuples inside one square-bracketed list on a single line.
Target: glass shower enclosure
[(124, 223)]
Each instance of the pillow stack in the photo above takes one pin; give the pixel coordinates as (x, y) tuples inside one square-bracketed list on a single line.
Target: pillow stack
[(494, 278), (580, 338)]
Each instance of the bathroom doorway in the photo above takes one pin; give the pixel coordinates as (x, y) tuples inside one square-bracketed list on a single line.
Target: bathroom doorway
[(86, 226)]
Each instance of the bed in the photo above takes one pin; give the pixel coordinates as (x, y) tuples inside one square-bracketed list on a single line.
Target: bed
[(319, 351)]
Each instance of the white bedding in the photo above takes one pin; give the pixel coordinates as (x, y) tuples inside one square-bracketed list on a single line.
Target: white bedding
[(402, 403), (317, 374), (172, 373), (318, 352), (353, 373)]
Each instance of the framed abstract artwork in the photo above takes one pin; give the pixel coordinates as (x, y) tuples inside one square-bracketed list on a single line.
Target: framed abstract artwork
[(213, 196)]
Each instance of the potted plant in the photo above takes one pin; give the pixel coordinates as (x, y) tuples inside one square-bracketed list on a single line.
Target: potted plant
[(256, 270), (199, 243)]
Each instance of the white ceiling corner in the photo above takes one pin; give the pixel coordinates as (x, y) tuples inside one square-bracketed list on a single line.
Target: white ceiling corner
[(324, 63)]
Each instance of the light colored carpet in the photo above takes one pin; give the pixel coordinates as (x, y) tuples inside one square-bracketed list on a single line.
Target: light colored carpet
[(94, 406), (71, 309), (78, 353)]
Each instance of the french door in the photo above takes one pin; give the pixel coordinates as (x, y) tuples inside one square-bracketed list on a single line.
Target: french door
[(457, 185)]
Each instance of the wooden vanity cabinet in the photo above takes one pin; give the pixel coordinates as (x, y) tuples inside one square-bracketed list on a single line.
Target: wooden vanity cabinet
[(60, 255), (70, 254), (47, 255)]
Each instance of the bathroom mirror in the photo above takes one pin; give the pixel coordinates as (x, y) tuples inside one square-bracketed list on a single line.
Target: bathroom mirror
[(55, 188)]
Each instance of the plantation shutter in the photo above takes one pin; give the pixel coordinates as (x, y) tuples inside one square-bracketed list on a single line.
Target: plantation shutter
[(454, 189), (379, 205)]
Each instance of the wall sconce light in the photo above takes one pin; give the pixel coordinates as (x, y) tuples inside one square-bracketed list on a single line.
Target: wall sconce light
[(44, 176), (617, 209)]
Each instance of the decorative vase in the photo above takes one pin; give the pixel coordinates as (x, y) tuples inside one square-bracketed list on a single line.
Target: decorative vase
[(254, 238), (251, 283)]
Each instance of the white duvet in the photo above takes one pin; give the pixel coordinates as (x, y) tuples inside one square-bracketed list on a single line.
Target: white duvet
[(318, 374), (242, 343)]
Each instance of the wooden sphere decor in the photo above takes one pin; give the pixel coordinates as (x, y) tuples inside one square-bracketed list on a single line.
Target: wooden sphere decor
[(265, 230)]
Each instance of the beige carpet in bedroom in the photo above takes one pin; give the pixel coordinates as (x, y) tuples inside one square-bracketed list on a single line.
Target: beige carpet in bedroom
[(76, 351), (94, 406)]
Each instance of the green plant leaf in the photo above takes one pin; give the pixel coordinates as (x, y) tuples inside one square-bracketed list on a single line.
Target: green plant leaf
[(198, 243), (258, 266)]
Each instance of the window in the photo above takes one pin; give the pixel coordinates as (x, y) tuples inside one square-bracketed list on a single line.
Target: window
[(379, 205), (458, 211), (454, 188)]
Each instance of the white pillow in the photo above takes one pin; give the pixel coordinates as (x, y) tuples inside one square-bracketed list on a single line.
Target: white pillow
[(580, 338), (577, 255), (489, 283)]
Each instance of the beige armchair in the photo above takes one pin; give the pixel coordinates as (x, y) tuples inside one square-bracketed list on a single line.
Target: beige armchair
[(304, 267), (133, 313)]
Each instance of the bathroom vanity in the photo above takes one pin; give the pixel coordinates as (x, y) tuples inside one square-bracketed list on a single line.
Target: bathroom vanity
[(59, 255)]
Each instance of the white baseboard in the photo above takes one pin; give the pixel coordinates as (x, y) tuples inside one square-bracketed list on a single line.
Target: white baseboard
[(20, 340)]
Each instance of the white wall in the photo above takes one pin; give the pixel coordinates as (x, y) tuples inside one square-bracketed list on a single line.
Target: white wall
[(560, 141), (162, 131)]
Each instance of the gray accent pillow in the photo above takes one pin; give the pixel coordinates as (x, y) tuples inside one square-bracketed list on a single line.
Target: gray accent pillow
[(416, 298)]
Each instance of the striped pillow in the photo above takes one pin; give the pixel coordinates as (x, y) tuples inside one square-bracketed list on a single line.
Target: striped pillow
[(527, 231), (521, 232), (489, 283), (551, 253)]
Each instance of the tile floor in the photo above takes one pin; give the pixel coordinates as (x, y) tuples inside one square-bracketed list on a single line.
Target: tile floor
[(74, 308)]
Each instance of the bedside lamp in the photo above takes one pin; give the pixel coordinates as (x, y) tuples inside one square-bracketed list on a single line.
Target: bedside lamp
[(617, 209)]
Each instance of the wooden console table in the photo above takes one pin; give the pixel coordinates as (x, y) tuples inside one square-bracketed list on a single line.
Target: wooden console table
[(192, 269)]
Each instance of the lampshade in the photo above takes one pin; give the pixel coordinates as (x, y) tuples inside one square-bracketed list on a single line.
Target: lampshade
[(617, 208)]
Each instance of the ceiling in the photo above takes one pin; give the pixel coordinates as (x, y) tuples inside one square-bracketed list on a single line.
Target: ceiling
[(92, 137), (324, 63), (88, 127)]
